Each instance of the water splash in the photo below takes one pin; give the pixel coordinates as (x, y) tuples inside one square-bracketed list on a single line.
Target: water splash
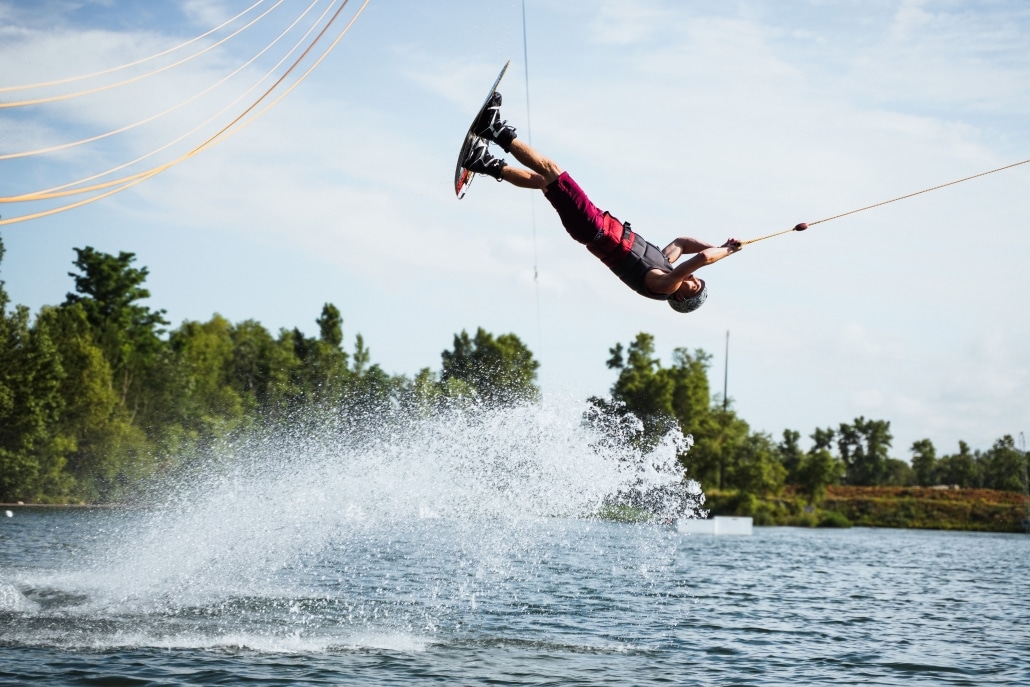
[(286, 538), (13, 601)]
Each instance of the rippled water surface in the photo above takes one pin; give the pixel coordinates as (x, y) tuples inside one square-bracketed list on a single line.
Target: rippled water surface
[(548, 602), (469, 563)]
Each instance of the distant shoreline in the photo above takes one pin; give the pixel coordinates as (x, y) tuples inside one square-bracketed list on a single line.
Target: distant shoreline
[(970, 510), (63, 505), (923, 508)]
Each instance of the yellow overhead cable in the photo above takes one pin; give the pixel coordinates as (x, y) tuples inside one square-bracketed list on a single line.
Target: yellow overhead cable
[(60, 191), (71, 79), (227, 130), (310, 69), (147, 120), (805, 225), (223, 133), (140, 77)]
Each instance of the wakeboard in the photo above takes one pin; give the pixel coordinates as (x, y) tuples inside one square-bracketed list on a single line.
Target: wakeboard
[(463, 177)]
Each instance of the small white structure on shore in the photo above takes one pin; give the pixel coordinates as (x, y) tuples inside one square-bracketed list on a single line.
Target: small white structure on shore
[(720, 524)]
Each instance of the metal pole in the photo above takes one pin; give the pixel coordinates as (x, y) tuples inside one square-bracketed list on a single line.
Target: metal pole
[(1026, 485), (726, 373)]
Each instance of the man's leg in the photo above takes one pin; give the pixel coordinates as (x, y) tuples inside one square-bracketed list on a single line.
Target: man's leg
[(544, 169), (580, 217), (490, 127), (523, 178)]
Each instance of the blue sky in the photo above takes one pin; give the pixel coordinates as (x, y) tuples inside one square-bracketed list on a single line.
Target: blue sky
[(710, 119)]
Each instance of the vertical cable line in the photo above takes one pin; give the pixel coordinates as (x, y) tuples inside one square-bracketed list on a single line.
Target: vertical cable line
[(532, 197)]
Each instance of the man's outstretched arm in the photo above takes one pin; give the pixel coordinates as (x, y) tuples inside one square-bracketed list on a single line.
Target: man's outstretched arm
[(669, 282), (684, 244)]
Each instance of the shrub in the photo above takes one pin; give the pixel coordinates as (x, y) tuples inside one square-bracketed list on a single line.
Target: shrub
[(831, 518)]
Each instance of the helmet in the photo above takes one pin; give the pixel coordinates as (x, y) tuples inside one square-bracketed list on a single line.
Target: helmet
[(689, 304)]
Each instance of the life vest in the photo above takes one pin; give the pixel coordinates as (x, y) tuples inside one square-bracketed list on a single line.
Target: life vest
[(629, 255)]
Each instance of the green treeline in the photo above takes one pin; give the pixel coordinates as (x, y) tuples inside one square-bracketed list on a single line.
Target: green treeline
[(98, 393), (728, 456)]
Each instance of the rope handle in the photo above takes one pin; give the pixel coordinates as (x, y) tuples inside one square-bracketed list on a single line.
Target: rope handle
[(800, 226)]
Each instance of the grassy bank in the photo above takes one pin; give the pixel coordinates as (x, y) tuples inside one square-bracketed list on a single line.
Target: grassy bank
[(983, 510)]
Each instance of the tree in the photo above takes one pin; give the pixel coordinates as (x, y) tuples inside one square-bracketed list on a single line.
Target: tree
[(260, 367), (1003, 465), (661, 398), (863, 448), (419, 396), (104, 451), (691, 396), (818, 469), (109, 290), (371, 387), (496, 371), (719, 445), (897, 473), (321, 375), (640, 411), (822, 438), (757, 469), (924, 462), (641, 384), (960, 469), (31, 458), (330, 326), (206, 404), (724, 453), (791, 455)]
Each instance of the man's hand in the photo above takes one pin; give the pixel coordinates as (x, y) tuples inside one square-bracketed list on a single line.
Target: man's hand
[(733, 245)]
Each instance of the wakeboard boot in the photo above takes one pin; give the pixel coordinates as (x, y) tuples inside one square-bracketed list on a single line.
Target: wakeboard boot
[(491, 127), (480, 161)]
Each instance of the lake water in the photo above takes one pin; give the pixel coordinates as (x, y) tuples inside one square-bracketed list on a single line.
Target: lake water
[(419, 563)]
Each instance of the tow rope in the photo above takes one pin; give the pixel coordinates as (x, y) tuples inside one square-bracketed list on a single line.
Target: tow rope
[(805, 225)]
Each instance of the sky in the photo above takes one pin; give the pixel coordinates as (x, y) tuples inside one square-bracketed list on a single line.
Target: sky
[(710, 119)]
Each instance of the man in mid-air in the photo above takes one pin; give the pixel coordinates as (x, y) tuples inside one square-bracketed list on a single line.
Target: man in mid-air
[(639, 264)]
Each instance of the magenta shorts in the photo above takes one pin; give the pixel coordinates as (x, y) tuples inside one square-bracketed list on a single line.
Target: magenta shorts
[(585, 222), (580, 217)]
